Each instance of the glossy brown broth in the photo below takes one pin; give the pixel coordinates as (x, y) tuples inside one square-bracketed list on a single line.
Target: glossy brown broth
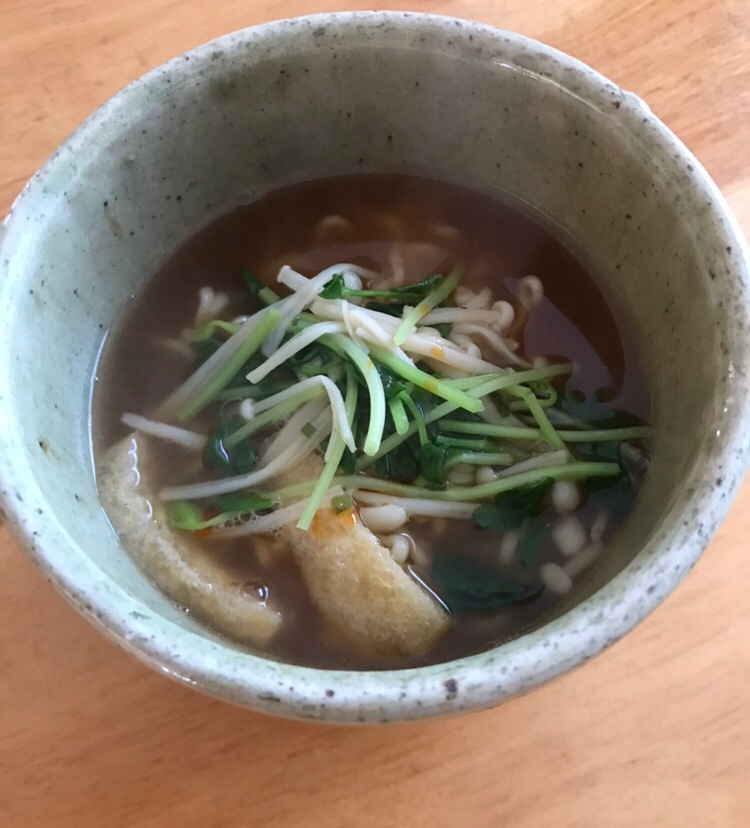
[(494, 243)]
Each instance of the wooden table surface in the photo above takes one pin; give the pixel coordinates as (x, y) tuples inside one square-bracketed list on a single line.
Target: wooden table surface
[(656, 732)]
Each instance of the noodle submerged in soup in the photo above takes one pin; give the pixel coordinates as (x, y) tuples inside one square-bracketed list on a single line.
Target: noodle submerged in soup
[(370, 421)]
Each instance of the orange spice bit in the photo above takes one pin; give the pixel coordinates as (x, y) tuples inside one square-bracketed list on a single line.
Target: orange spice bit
[(316, 528), (326, 521), (348, 517), (202, 534), (436, 351)]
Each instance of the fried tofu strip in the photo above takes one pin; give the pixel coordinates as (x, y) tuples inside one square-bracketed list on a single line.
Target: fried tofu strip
[(361, 591), (186, 571), (357, 586)]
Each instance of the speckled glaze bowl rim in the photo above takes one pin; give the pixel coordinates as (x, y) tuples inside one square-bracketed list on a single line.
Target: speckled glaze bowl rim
[(466, 684)]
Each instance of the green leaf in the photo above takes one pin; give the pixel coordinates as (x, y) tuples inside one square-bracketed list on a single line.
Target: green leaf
[(512, 510), (335, 289), (431, 300), (341, 503), (530, 500), (241, 502), (414, 291), (314, 360), (261, 294), (239, 459), (501, 516), (402, 463), (464, 416), (391, 308), (392, 382), (181, 514), (432, 458), (404, 294), (615, 496), (205, 348), (314, 351), (251, 283), (348, 464), (395, 298), (469, 587), (187, 516), (423, 287), (312, 370), (533, 535)]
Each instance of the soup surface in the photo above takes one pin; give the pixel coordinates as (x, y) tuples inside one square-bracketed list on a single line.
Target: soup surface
[(475, 576)]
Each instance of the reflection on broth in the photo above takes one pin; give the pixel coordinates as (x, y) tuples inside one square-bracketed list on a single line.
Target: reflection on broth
[(370, 421)]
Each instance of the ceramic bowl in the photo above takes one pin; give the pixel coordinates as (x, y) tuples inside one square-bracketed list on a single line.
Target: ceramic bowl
[(336, 93)]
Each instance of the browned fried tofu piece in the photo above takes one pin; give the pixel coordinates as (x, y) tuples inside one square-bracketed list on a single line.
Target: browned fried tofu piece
[(361, 591), (188, 572)]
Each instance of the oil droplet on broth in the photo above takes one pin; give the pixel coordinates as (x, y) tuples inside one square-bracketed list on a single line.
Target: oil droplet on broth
[(255, 589)]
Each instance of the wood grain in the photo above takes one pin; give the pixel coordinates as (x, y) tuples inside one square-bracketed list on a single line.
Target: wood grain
[(654, 733)]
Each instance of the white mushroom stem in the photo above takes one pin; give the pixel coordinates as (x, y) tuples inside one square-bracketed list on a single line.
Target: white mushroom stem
[(210, 305), (583, 560), (172, 434), (486, 474), (290, 348), (415, 506), (530, 291), (400, 546), (494, 340), (508, 546), (500, 315), (387, 518), (555, 578), (461, 475), (250, 409), (566, 496), (423, 342), (467, 298), (569, 535), (550, 458)]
